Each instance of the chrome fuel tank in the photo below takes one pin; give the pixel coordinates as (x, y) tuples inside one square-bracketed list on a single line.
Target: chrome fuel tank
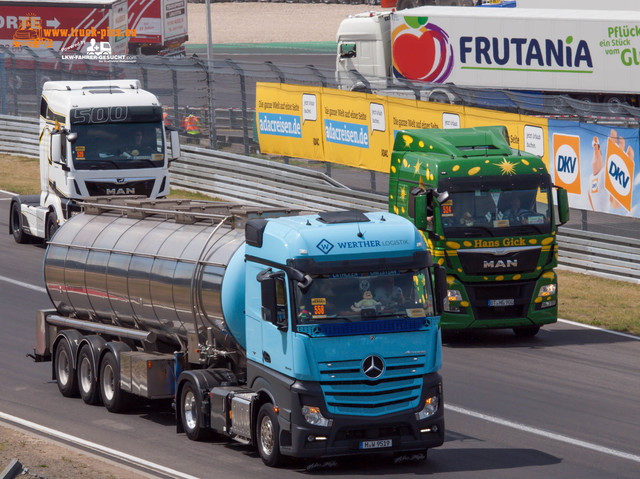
[(151, 273)]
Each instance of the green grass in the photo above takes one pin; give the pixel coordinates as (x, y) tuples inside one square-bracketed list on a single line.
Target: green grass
[(582, 298)]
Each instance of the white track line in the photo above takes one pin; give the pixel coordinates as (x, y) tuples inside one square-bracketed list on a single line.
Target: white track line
[(95, 447), (40, 289), (540, 432), (589, 326)]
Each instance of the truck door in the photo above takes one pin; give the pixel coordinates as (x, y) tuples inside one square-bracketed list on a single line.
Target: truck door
[(57, 181), (276, 337)]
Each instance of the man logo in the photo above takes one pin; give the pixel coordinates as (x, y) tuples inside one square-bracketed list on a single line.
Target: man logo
[(373, 366), (510, 263), (566, 154), (120, 191)]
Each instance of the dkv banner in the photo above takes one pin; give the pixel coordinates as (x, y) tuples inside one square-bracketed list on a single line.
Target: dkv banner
[(597, 165)]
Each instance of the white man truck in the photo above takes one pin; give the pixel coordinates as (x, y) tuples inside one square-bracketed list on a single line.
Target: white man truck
[(587, 54), (247, 319), (88, 148)]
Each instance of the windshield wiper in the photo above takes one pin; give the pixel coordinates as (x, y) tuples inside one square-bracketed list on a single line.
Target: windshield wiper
[(477, 233), (521, 230), (108, 161)]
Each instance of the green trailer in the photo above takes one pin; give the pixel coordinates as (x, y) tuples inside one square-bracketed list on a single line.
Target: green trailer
[(487, 214)]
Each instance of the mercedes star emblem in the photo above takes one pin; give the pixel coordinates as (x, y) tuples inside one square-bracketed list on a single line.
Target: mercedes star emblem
[(373, 366)]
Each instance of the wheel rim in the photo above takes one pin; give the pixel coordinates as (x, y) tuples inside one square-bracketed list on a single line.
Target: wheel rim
[(63, 368), (190, 411), (266, 436), (107, 382), (85, 374)]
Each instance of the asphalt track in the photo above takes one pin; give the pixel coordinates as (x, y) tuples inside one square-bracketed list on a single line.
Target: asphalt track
[(562, 404)]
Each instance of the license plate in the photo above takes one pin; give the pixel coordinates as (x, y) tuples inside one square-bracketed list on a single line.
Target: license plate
[(376, 444), (501, 302)]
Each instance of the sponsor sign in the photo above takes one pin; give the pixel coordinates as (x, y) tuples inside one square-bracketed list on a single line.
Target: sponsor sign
[(566, 160), (619, 174)]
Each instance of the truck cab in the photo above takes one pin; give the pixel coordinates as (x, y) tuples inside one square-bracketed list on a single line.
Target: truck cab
[(487, 214), (342, 333), (96, 138), (363, 60)]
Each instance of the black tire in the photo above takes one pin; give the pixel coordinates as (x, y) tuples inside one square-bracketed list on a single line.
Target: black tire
[(526, 331), (113, 397), (64, 370), (87, 376), (190, 413), (268, 436), (51, 226), (16, 224)]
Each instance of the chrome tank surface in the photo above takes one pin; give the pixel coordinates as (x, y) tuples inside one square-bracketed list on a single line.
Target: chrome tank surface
[(151, 274)]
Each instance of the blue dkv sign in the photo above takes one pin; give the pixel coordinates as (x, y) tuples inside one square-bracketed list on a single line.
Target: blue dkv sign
[(324, 246)]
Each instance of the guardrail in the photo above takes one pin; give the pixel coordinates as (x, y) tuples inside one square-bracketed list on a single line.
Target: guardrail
[(599, 254), (19, 136), (257, 181), (264, 182)]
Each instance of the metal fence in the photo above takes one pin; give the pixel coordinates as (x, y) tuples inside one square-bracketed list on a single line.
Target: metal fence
[(222, 92), (267, 182)]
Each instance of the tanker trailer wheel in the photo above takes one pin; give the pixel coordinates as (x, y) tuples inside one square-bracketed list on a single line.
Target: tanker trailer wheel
[(65, 374), (87, 377), (113, 397), (16, 224), (268, 436), (190, 413)]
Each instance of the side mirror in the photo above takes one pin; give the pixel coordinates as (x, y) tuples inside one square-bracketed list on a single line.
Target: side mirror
[(55, 148), (563, 206), (440, 277), (272, 286), (175, 145), (418, 207)]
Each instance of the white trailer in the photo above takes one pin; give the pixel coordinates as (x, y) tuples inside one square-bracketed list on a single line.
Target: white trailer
[(588, 54), (97, 138)]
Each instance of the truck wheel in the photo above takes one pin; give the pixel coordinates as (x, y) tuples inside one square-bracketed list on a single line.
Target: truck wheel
[(87, 383), (526, 331), (113, 397), (51, 226), (190, 413), (16, 224), (65, 374), (268, 436)]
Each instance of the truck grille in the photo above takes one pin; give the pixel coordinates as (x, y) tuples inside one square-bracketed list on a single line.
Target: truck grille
[(102, 188), (347, 390), (499, 261), (481, 294)]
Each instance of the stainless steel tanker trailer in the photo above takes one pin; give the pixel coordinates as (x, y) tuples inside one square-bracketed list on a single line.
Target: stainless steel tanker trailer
[(269, 328)]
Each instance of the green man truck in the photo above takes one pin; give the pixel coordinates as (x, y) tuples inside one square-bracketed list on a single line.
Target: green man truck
[(486, 211)]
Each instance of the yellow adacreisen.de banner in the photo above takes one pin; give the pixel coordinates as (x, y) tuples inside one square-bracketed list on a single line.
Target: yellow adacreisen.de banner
[(289, 120), (358, 129)]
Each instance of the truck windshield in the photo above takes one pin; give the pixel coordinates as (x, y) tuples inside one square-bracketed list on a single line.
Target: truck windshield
[(353, 297), (492, 210), (114, 146)]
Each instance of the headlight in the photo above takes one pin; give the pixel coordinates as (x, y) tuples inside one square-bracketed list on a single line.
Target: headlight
[(313, 416), (429, 409), (452, 295), (548, 290)]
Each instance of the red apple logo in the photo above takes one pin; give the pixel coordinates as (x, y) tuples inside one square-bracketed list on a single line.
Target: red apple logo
[(421, 51)]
